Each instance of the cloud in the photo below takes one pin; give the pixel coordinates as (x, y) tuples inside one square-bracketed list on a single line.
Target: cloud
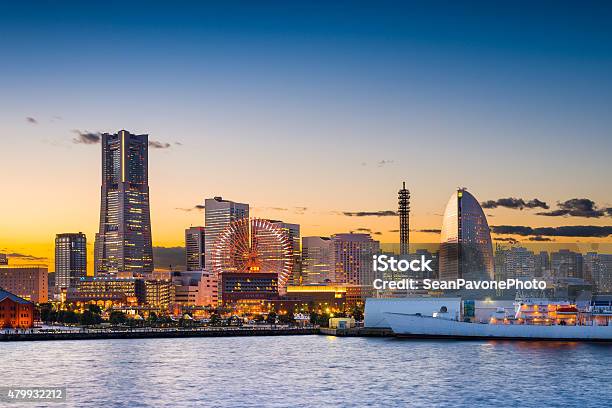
[(300, 210), (504, 239), (363, 230), (429, 231), (367, 231), (197, 207), (26, 257), (515, 203), (592, 231), (86, 137), (578, 207), (382, 163), (384, 213), (394, 231), (31, 120), (539, 238), (159, 145), (178, 143)]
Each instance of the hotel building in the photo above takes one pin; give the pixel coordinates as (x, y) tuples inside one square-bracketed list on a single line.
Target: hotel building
[(123, 243), (26, 281), (70, 259), (466, 250), (218, 215)]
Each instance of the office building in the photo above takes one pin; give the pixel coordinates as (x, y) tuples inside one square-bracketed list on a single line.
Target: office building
[(194, 248), (26, 281), (292, 235), (122, 291), (159, 293), (466, 250), (70, 259), (218, 215), (317, 260), (123, 243)]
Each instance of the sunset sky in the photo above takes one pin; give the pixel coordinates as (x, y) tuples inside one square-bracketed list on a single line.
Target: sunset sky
[(307, 111)]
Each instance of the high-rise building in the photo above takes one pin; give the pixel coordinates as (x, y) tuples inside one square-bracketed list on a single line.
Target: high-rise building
[(218, 215), (3, 259), (123, 243), (598, 269), (466, 250), (26, 281), (566, 264), (404, 217), (194, 248), (352, 257), (70, 259), (317, 260)]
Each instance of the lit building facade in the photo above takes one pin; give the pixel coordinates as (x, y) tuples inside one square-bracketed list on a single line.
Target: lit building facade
[(273, 246), (218, 215), (123, 243), (194, 248), (159, 293), (466, 250), (317, 260), (249, 286), (352, 258), (70, 259), (26, 281), (3, 259), (15, 312), (127, 291)]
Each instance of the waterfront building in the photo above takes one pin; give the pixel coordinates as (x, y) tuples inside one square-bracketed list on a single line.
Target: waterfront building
[(124, 291), (566, 264), (70, 259), (317, 260), (159, 293), (218, 215), (248, 286), (352, 257), (466, 250), (542, 264), (194, 248), (318, 297), (195, 288), (15, 312), (123, 243), (26, 281)]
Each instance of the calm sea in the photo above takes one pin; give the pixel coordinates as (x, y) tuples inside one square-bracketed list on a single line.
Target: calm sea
[(311, 371)]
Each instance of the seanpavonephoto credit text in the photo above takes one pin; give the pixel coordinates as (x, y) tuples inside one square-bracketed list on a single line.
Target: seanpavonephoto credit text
[(384, 263)]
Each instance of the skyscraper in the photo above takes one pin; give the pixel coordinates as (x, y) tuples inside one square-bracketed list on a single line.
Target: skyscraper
[(317, 260), (466, 250), (403, 197), (70, 259), (194, 248), (123, 243), (292, 231), (218, 215)]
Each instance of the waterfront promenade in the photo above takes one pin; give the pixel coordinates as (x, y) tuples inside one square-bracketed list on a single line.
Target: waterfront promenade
[(142, 333)]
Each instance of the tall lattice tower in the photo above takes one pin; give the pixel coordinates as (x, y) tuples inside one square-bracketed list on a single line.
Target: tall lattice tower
[(404, 216)]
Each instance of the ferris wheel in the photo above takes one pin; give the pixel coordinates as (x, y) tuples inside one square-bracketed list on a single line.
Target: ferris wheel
[(253, 245)]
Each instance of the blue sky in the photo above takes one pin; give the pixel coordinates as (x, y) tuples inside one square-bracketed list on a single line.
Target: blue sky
[(291, 104)]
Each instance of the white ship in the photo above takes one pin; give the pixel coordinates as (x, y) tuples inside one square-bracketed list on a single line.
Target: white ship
[(532, 321)]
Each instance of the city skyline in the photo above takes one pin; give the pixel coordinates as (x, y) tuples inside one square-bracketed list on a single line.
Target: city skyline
[(516, 114)]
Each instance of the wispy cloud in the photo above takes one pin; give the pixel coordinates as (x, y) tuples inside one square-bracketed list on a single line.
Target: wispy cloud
[(26, 257), (31, 120), (159, 145), (197, 207), (86, 137), (382, 163), (383, 213)]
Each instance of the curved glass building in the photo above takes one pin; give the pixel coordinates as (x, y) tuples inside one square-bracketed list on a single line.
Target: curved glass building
[(466, 250)]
